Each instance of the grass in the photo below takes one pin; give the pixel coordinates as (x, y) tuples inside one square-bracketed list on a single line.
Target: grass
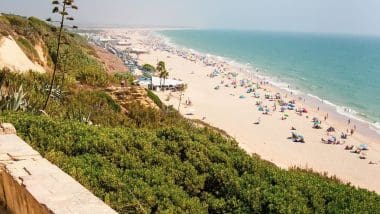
[(28, 49)]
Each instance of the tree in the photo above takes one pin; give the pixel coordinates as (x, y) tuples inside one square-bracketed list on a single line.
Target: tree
[(61, 7), (165, 75), (161, 69), (149, 68)]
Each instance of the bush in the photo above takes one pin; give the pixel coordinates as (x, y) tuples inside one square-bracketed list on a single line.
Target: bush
[(126, 76), (149, 68), (95, 106), (180, 168), (155, 98)]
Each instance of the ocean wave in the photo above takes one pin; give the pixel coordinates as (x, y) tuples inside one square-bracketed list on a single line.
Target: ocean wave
[(376, 127), (342, 110), (350, 113), (315, 97)]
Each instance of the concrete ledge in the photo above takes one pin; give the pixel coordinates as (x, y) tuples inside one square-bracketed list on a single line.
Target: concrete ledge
[(7, 128), (31, 184)]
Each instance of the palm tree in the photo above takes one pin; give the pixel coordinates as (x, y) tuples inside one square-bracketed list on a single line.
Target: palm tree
[(61, 7), (165, 75), (161, 69)]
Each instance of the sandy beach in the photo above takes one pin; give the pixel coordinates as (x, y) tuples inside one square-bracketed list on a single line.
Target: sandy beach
[(236, 111)]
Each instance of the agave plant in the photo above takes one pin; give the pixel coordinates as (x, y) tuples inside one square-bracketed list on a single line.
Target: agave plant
[(13, 101), (56, 93)]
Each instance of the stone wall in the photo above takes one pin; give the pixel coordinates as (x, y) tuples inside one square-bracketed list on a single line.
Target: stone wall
[(31, 184)]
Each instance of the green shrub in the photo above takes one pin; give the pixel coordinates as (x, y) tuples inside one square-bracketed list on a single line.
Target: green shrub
[(155, 98), (179, 168), (149, 68), (126, 76)]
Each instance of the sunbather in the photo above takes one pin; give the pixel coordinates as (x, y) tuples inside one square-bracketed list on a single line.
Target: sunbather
[(349, 147)]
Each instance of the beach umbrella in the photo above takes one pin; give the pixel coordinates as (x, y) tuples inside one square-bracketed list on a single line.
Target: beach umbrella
[(363, 146)]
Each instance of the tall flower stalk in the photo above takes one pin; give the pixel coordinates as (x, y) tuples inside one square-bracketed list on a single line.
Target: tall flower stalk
[(61, 7)]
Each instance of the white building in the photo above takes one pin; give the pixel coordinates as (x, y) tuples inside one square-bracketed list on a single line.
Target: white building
[(155, 83)]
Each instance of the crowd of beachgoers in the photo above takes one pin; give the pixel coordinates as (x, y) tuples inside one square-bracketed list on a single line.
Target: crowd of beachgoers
[(264, 99), (250, 108)]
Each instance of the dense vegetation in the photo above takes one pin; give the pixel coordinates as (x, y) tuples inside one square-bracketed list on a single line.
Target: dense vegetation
[(150, 160), (178, 168)]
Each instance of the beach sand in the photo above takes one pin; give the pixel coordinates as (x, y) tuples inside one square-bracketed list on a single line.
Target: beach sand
[(224, 109)]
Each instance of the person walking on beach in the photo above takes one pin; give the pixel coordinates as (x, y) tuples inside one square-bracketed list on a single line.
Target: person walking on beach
[(349, 121)]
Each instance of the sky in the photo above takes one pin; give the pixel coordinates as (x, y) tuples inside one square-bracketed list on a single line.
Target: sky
[(334, 16)]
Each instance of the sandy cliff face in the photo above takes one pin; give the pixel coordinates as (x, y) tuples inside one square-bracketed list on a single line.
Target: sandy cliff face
[(12, 56)]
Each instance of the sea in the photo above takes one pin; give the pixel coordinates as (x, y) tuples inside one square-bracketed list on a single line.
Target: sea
[(341, 70)]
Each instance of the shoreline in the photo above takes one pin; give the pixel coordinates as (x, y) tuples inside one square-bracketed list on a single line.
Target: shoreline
[(222, 108), (357, 116)]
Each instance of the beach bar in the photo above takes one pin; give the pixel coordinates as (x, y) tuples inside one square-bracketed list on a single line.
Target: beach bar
[(156, 83)]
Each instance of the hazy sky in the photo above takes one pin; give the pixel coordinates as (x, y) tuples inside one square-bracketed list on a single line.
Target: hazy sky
[(344, 16)]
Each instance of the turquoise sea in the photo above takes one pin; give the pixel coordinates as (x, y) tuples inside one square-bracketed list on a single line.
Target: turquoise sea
[(341, 69)]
